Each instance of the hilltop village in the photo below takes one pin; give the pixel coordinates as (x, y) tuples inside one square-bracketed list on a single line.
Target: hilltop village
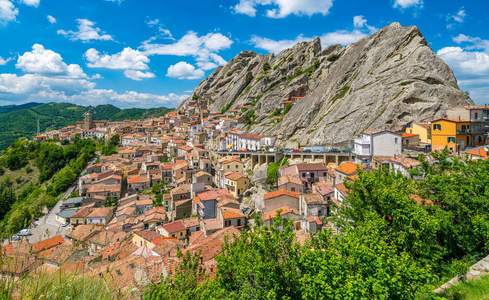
[(189, 179)]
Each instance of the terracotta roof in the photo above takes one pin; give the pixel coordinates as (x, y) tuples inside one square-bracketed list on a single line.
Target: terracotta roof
[(82, 213), (451, 120), (284, 210), (97, 188), (49, 243), (311, 167), (371, 131), (173, 227), (314, 199), (211, 195), (100, 212), (231, 213), (231, 160), (342, 189), (314, 219), (235, 176), (482, 152), (280, 193), (348, 168), (191, 222), (212, 224), (148, 235), (406, 135), (289, 178), (325, 189)]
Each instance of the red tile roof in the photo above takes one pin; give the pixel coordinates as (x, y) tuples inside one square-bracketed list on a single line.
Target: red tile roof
[(49, 243), (173, 227), (280, 193)]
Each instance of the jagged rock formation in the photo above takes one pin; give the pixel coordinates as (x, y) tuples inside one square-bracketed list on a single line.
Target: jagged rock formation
[(383, 81)]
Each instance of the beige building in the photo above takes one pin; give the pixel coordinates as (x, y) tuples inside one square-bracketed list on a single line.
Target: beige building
[(281, 198), (423, 129), (174, 229), (236, 183)]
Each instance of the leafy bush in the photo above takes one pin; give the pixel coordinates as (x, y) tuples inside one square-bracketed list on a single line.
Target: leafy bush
[(266, 66), (195, 97)]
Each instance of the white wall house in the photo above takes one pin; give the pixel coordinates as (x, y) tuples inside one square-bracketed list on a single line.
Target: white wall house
[(377, 143)]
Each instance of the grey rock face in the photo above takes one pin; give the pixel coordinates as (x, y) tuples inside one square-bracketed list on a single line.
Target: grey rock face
[(383, 81)]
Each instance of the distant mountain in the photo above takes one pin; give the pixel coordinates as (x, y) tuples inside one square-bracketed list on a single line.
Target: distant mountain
[(384, 81), (21, 120)]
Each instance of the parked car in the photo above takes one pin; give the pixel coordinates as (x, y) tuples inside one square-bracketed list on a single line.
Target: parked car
[(307, 150), (246, 150), (245, 209), (296, 151), (24, 232), (65, 224), (334, 150), (271, 150), (16, 238), (347, 150)]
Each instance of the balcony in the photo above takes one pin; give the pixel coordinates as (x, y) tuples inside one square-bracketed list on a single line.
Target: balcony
[(363, 141), (466, 131)]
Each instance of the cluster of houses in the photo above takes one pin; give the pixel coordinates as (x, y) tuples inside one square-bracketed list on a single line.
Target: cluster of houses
[(164, 190)]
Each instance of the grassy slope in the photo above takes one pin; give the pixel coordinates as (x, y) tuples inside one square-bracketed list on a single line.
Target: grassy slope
[(17, 121), (471, 290)]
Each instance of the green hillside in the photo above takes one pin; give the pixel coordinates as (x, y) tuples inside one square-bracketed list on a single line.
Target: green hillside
[(21, 120)]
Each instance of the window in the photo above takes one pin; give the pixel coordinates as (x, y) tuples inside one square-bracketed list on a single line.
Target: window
[(324, 174), (292, 189), (436, 126), (228, 166), (451, 139), (303, 174), (396, 140)]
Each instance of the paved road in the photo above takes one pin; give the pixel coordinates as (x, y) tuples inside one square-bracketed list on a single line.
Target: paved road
[(47, 226)]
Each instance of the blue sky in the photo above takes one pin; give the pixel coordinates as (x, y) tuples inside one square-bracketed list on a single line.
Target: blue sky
[(146, 53)]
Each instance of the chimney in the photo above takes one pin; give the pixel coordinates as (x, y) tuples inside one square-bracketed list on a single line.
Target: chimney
[(459, 118)]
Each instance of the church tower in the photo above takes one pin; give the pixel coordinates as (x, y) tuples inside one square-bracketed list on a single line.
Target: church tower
[(88, 124)]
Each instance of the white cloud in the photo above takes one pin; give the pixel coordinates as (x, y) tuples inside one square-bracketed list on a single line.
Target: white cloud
[(152, 23), (8, 12), (203, 48), (459, 16), (116, 1), (360, 22), (283, 8), (52, 19), (126, 59), (48, 63), (183, 70), (343, 37), (408, 3), (86, 32), (456, 19), (138, 75), (470, 65), (50, 79), (3, 61), (276, 46), (34, 3)]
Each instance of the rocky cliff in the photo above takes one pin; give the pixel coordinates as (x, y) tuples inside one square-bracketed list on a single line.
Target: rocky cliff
[(383, 81)]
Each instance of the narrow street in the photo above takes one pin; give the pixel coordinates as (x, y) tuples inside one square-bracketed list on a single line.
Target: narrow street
[(47, 226)]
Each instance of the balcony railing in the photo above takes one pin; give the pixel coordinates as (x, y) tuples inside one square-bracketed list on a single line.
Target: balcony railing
[(466, 131), (362, 141)]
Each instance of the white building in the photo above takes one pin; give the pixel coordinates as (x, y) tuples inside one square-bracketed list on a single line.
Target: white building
[(377, 143)]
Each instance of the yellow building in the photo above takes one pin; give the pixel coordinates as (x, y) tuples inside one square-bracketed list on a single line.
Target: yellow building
[(236, 183), (450, 133), (423, 129)]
